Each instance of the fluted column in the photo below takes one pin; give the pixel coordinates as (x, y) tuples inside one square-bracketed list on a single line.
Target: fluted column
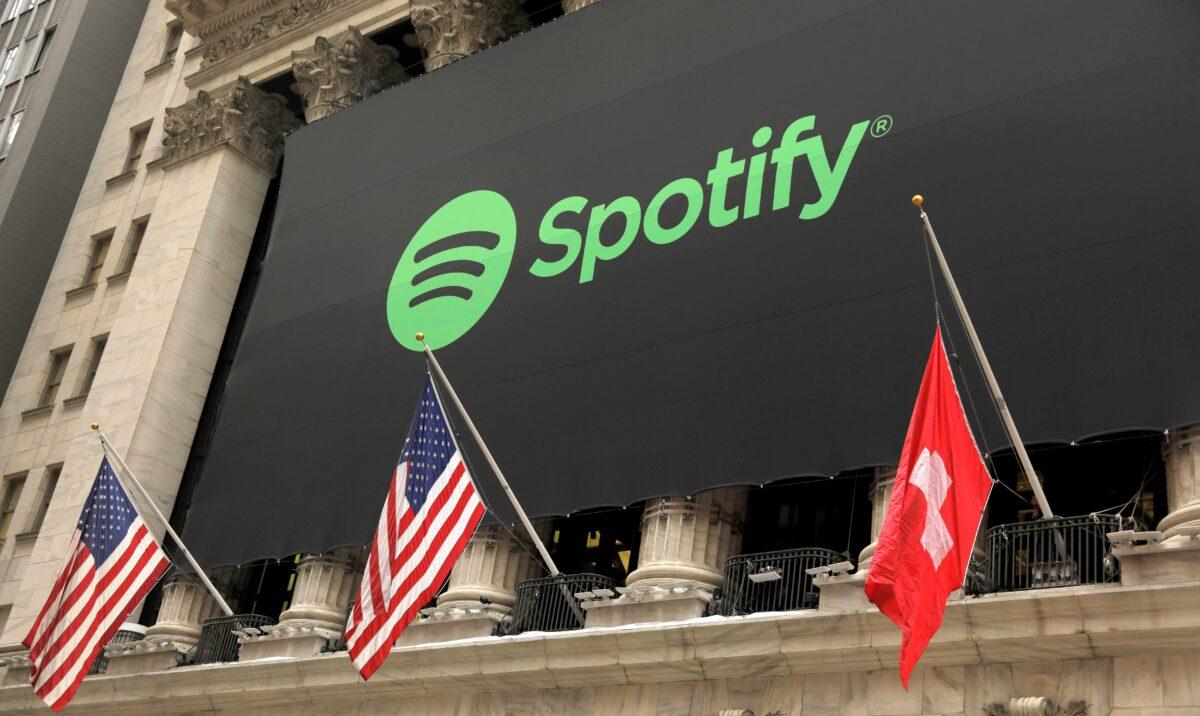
[(573, 5), (338, 72), (881, 495), (449, 30), (325, 584), (690, 539), (489, 569), (186, 603), (1182, 457)]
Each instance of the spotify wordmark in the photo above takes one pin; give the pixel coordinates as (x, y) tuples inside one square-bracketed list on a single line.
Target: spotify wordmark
[(453, 267)]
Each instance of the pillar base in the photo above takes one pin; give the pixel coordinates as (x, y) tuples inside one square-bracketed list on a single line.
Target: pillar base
[(144, 656), (843, 592), (451, 624), (295, 639), (1175, 559), (642, 604), (18, 669)]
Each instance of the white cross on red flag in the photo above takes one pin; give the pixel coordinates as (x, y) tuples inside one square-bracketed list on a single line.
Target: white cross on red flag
[(933, 517)]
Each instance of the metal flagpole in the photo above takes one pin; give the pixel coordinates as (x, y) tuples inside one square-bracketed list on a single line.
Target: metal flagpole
[(487, 454), (108, 448), (919, 202)]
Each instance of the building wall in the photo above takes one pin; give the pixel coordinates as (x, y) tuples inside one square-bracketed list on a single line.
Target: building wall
[(64, 105)]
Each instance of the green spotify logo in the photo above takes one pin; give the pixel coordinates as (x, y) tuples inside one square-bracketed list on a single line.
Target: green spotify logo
[(452, 269)]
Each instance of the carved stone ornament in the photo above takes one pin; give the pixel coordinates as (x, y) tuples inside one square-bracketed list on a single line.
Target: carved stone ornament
[(573, 5), (226, 39), (336, 73), (450, 30), (244, 117), (1036, 706)]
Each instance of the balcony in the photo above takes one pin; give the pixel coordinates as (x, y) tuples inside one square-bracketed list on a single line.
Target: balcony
[(553, 603), (773, 581), (1057, 552)]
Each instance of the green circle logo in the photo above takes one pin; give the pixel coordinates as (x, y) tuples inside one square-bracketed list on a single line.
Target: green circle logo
[(452, 269)]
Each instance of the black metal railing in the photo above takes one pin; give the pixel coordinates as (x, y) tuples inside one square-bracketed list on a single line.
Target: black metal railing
[(218, 640), (773, 581), (549, 603), (122, 636), (1057, 552)]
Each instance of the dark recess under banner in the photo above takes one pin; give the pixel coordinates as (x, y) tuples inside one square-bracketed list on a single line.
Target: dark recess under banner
[(1055, 144)]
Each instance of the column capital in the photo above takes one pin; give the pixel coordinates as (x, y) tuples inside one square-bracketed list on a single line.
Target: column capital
[(340, 71), (450, 30), (573, 5), (243, 117)]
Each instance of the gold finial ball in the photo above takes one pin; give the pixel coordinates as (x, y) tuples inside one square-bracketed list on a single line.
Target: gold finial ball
[(918, 201), (95, 426), (421, 337)]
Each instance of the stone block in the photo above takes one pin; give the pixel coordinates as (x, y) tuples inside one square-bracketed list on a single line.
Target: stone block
[(1174, 560), (469, 626), (843, 593), (150, 658), (624, 610), (300, 643)]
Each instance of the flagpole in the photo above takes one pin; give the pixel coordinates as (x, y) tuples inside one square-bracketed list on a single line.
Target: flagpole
[(994, 386), (108, 448), (487, 454)]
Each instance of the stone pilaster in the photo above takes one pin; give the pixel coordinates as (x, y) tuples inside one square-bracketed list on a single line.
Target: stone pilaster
[(449, 30), (482, 588), (243, 117), (573, 5), (186, 603), (325, 584), (685, 544), (336, 73), (1174, 555)]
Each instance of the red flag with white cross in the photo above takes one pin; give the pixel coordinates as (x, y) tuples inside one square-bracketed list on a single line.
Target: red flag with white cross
[(933, 517)]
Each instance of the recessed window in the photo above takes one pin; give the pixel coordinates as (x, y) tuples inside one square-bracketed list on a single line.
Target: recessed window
[(12, 8), (43, 50), (10, 132), (49, 485), (8, 507), (10, 58), (136, 233), (137, 144), (89, 376), (25, 59), (54, 379), (100, 245), (171, 46)]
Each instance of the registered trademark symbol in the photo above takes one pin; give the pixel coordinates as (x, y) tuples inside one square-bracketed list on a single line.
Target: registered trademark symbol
[(881, 126)]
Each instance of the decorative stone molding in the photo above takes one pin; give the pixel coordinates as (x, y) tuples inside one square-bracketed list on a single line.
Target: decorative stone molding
[(1036, 706), (488, 571), (573, 5), (231, 27), (1181, 453), (690, 539), (17, 668), (881, 495), (450, 30), (336, 73), (244, 117)]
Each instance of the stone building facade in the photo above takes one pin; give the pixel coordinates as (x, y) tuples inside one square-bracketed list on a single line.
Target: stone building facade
[(144, 340)]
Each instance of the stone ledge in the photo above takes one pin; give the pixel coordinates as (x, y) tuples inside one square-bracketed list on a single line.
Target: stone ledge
[(34, 412), (75, 400), (83, 290), (1064, 623), (159, 67), (122, 177)]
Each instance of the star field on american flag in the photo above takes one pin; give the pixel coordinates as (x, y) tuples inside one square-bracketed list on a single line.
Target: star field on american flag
[(106, 515), (427, 448)]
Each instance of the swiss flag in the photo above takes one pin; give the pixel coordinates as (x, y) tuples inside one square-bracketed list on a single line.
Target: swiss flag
[(937, 503)]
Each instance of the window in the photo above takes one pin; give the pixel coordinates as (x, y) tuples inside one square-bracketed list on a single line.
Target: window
[(26, 56), (10, 56), (49, 485), (100, 246), (41, 54), (10, 11), (136, 233), (174, 36), (12, 494), (10, 133), (58, 368), (137, 143), (89, 376)]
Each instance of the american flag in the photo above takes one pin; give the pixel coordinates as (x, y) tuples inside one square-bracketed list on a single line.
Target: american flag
[(432, 509), (111, 565)]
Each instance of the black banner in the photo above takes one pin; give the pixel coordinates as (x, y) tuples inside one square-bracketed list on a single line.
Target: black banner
[(666, 246)]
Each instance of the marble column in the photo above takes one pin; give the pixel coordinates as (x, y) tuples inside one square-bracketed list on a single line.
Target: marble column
[(325, 584), (449, 30), (844, 592), (573, 5), (482, 588), (340, 71), (186, 603), (685, 544), (881, 495), (1175, 556)]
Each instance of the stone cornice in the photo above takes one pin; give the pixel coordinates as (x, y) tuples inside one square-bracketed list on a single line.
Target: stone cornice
[(242, 117), (1067, 623)]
